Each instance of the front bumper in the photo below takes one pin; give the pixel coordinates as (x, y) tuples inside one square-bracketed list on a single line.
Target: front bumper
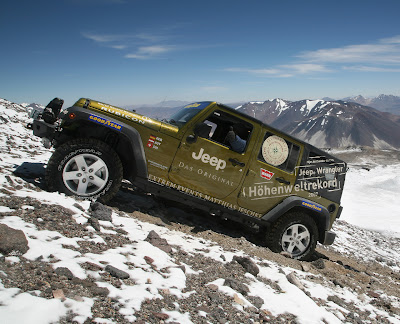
[(42, 129), (329, 238)]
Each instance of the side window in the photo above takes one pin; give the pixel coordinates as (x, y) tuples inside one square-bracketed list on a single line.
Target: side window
[(229, 130), (279, 152)]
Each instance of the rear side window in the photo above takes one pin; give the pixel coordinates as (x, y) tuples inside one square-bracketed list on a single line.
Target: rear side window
[(279, 152)]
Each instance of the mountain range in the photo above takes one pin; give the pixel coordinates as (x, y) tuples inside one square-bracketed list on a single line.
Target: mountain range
[(324, 123), (329, 124)]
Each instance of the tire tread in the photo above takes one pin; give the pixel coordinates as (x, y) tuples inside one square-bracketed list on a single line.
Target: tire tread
[(272, 238)]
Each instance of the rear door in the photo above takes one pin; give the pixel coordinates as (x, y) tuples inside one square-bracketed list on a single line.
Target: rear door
[(271, 176), (209, 165)]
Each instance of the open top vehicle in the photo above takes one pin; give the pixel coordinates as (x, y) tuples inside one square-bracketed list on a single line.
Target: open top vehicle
[(208, 156)]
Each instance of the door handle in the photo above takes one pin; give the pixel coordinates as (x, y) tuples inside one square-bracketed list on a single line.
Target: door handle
[(236, 162), (282, 180)]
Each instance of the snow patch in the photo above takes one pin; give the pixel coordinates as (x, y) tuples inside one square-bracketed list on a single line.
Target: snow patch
[(281, 106), (310, 104)]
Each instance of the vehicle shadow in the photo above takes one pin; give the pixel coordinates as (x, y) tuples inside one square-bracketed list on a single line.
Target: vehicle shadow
[(170, 212), (33, 173)]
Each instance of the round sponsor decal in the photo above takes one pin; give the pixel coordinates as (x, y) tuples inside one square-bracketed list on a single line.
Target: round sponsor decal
[(275, 150)]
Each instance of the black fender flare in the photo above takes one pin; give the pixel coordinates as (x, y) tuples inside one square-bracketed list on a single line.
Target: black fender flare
[(319, 212), (133, 136)]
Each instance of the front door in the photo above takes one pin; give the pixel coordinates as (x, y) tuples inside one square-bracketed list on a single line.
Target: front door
[(209, 165), (271, 176)]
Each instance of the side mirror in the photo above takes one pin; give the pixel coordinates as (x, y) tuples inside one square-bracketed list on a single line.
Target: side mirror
[(200, 130)]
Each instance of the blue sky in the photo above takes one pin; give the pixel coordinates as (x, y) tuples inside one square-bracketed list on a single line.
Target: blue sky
[(127, 52)]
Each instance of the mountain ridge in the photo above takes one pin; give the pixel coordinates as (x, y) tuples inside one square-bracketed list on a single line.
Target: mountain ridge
[(324, 123), (386, 103)]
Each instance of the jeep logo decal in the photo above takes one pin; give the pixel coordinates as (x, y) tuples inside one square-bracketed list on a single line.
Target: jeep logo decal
[(213, 160)]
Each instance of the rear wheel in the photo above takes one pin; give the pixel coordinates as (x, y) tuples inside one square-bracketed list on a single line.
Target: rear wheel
[(295, 233), (86, 168)]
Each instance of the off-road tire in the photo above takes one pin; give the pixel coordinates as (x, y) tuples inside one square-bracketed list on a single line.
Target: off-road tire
[(69, 170), (282, 235)]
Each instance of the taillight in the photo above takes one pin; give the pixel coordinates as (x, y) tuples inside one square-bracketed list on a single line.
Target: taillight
[(71, 115)]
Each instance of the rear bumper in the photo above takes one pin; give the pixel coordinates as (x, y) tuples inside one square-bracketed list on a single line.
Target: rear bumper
[(339, 212), (329, 238)]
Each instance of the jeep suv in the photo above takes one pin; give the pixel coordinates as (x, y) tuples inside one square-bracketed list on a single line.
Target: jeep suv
[(208, 156)]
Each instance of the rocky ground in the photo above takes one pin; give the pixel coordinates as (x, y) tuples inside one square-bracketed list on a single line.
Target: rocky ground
[(377, 280)]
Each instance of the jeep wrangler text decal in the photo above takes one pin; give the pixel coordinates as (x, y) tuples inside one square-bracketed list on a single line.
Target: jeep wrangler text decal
[(320, 176), (105, 122)]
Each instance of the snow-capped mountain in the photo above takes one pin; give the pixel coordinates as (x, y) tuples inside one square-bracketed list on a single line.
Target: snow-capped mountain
[(329, 123), (387, 103)]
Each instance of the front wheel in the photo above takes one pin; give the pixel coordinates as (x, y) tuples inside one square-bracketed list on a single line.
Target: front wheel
[(295, 233), (86, 168)]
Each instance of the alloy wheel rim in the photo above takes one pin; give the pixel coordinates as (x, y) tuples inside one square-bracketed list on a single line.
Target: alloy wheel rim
[(296, 239), (85, 174)]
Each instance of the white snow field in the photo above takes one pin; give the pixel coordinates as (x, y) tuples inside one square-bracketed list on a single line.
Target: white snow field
[(371, 198)]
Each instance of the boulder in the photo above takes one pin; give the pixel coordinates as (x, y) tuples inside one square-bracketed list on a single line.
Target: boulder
[(154, 239), (117, 273), (247, 264), (291, 277), (101, 212), (237, 285), (94, 222), (319, 264), (12, 241), (63, 271)]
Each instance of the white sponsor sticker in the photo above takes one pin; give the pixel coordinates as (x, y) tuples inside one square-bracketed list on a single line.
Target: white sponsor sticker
[(275, 150)]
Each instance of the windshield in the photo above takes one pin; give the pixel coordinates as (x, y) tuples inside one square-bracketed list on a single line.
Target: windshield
[(181, 117)]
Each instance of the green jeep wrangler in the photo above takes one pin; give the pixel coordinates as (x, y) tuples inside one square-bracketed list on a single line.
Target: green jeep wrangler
[(208, 156)]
